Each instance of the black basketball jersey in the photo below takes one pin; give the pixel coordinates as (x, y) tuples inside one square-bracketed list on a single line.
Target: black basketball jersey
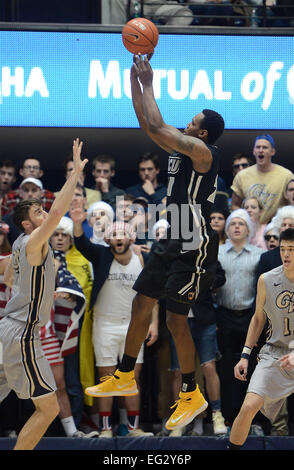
[(192, 192)]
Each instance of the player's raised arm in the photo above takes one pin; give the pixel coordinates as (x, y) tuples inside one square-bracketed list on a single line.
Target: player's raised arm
[(40, 235), (137, 99), (165, 135)]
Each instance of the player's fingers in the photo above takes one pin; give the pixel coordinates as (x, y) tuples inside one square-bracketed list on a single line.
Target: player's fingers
[(84, 162), (149, 56)]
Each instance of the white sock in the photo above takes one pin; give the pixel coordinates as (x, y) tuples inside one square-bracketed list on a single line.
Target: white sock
[(198, 425), (123, 416), (68, 426), (96, 419)]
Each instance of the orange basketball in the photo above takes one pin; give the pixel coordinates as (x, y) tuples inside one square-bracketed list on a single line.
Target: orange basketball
[(140, 36)]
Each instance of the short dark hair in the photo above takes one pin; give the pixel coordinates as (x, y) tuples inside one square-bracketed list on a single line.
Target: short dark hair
[(21, 211), (287, 235), (29, 158), (104, 158), (8, 164), (239, 155), (69, 158), (214, 123), (149, 156)]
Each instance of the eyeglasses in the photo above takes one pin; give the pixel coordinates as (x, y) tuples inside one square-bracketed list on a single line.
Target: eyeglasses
[(240, 165), (268, 237), (29, 167)]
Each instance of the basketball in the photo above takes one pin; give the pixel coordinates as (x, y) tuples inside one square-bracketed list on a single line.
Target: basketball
[(140, 36)]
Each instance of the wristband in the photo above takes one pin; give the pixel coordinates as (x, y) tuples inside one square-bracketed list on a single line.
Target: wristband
[(246, 352)]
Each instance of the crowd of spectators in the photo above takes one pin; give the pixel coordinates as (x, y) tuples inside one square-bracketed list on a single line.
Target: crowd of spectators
[(100, 247), (250, 13)]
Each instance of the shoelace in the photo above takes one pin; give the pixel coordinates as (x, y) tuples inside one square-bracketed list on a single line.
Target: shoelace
[(180, 401), (106, 377)]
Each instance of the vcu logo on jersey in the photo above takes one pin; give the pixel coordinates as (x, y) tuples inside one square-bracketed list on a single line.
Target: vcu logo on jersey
[(286, 300), (174, 165)]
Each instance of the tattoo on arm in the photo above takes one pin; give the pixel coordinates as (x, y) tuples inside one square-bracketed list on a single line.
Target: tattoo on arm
[(185, 145)]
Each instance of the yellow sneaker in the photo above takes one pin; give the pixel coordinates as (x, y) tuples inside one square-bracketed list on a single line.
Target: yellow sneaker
[(119, 384), (189, 405)]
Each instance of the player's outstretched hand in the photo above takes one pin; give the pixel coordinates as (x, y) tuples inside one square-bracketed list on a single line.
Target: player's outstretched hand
[(79, 164), (240, 369), (143, 69)]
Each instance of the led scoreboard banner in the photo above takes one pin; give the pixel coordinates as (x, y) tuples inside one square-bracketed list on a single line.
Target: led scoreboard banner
[(81, 79)]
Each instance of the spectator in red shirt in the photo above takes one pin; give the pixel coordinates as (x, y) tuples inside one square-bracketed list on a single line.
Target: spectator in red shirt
[(31, 168)]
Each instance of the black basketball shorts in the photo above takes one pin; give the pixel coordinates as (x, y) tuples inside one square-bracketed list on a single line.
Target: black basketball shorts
[(179, 277)]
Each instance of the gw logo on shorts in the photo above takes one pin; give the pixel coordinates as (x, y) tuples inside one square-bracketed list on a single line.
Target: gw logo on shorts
[(286, 300)]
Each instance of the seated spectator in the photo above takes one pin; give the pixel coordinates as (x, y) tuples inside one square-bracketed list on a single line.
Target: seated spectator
[(271, 239), (276, 16), (211, 12), (254, 208), (29, 188), (163, 12), (100, 215), (31, 168), (149, 187), (7, 176), (239, 259), (167, 12), (265, 179), (93, 195), (103, 170)]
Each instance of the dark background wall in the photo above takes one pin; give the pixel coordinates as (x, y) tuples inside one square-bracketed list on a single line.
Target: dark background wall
[(53, 11)]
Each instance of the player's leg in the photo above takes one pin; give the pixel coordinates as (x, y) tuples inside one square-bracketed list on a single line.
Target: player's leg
[(46, 410), (241, 426), (138, 328), (191, 401), (61, 393), (181, 333)]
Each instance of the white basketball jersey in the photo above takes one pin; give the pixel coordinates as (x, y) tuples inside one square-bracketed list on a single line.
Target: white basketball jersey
[(279, 307)]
